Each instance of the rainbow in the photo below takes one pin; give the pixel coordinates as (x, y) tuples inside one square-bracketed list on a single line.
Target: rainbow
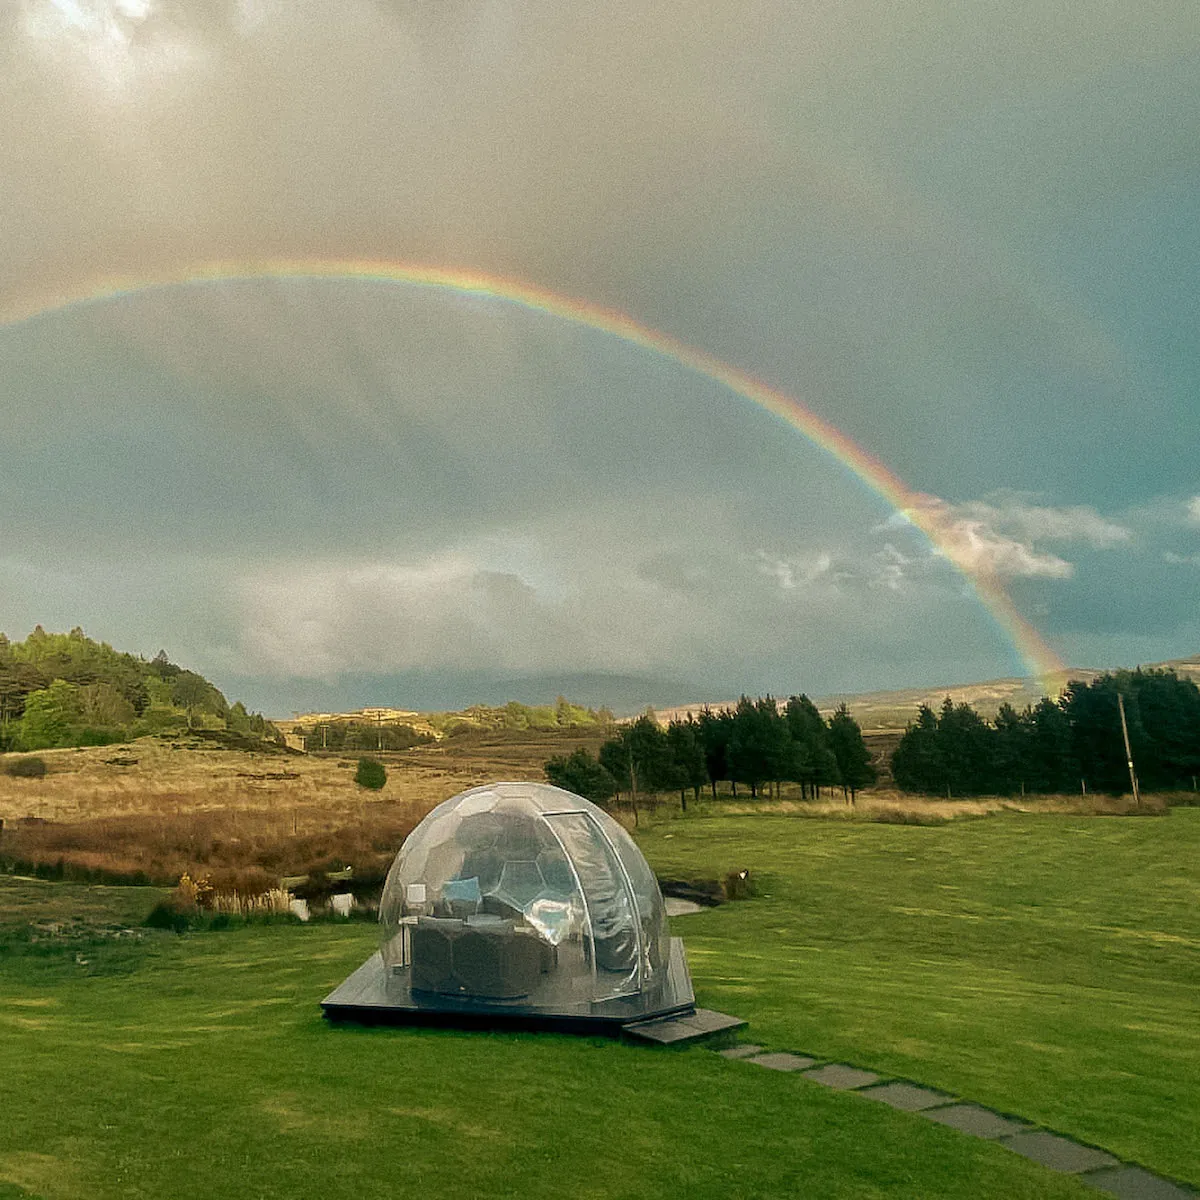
[(923, 511)]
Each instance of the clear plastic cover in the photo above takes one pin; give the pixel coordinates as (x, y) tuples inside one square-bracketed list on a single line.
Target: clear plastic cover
[(526, 894)]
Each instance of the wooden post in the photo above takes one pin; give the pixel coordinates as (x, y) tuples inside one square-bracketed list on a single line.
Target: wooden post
[(1137, 800)]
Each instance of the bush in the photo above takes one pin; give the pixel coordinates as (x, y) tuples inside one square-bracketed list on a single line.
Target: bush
[(27, 768), (370, 774), (168, 914)]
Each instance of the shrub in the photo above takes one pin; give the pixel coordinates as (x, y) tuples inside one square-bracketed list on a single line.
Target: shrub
[(370, 774), (27, 768), (168, 915)]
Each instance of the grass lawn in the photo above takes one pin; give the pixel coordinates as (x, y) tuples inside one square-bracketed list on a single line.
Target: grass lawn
[(208, 1071), (1048, 966), (1045, 965)]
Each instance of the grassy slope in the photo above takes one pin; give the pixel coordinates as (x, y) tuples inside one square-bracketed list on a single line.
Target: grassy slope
[(1046, 965), (208, 1070)]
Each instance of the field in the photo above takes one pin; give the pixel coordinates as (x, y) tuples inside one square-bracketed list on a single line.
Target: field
[(160, 806), (1045, 964)]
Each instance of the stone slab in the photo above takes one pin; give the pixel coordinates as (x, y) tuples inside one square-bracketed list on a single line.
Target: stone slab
[(689, 1027), (972, 1119), (782, 1061), (907, 1096), (1059, 1153), (746, 1050), (1132, 1183), (677, 907), (842, 1077)]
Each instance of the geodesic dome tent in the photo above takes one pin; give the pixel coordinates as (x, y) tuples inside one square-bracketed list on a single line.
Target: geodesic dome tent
[(524, 902)]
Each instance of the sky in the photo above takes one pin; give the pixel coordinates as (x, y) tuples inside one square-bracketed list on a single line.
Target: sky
[(965, 235)]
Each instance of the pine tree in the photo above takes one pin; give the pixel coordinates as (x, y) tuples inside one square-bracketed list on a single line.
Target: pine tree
[(854, 760)]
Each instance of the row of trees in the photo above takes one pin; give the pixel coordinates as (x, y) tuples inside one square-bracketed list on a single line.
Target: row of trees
[(757, 744), (65, 689), (1059, 745)]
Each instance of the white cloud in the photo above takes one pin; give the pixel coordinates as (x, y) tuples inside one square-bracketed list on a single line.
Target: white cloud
[(1181, 560), (999, 536), (1193, 511), (892, 568), (790, 575)]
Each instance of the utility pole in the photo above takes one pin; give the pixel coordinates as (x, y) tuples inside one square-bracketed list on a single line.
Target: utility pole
[(1137, 800)]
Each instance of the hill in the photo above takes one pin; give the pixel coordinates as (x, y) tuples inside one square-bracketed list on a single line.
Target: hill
[(66, 689), (893, 710)]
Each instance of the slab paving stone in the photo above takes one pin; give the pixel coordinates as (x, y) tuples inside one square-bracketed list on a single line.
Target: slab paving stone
[(669, 1031), (1132, 1183), (782, 1061), (907, 1096), (744, 1051), (972, 1119), (1059, 1153), (842, 1077)]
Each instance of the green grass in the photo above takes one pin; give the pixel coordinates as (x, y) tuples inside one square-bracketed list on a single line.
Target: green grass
[(209, 1072), (26, 902), (1046, 966)]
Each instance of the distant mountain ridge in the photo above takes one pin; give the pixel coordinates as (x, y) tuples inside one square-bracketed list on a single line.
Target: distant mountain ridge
[(893, 710)]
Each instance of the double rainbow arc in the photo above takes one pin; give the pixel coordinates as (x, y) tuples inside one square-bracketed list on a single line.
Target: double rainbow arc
[(1038, 657)]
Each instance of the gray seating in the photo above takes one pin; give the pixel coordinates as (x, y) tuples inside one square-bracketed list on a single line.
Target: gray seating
[(489, 958)]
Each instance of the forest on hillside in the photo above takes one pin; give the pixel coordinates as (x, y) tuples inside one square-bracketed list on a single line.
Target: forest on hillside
[(66, 689)]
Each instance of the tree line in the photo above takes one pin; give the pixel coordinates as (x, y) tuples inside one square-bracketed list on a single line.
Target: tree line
[(65, 689), (757, 744), (1066, 745)]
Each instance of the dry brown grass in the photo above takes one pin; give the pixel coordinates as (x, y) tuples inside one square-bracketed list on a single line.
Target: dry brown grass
[(883, 804), (244, 818)]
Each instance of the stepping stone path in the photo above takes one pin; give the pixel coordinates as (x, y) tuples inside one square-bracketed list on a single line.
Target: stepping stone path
[(978, 1122), (844, 1078), (782, 1062), (745, 1050), (1093, 1166), (907, 1096), (1059, 1153), (1132, 1183)]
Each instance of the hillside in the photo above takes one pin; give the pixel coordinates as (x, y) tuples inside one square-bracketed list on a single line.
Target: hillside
[(893, 710), (66, 689)]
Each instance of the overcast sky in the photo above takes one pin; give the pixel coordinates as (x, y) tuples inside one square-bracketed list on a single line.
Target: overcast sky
[(967, 235)]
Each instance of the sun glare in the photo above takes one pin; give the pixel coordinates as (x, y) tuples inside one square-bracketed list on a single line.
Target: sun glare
[(113, 44)]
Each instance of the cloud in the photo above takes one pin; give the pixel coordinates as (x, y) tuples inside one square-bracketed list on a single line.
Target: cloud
[(793, 574), (1181, 560), (999, 536), (892, 568), (862, 204)]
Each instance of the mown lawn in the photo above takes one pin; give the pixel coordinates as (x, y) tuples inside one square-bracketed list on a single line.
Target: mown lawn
[(1047, 966)]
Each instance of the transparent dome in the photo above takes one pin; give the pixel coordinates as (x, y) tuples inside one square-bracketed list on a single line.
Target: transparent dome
[(523, 894)]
